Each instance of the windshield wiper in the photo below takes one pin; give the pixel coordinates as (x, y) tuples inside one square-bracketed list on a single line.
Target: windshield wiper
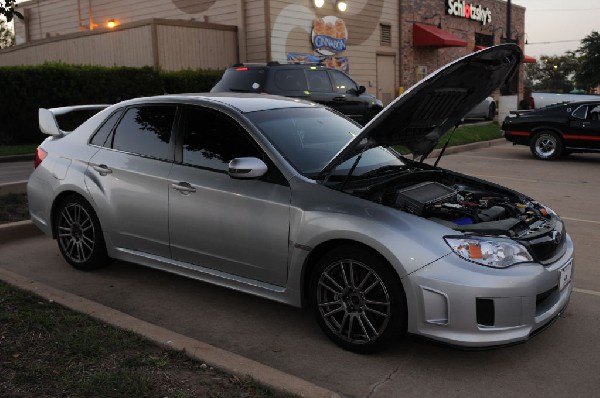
[(389, 169)]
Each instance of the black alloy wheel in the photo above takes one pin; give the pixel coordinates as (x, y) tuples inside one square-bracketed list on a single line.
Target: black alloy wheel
[(358, 300), (79, 234)]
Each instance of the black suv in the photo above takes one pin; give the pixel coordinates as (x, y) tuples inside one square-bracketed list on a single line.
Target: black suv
[(326, 86)]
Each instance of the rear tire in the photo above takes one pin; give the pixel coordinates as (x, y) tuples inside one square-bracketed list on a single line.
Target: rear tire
[(79, 235), (358, 300), (546, 145)]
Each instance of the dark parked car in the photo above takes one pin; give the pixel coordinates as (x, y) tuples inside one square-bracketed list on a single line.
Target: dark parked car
[(557, 129), (326, 86)]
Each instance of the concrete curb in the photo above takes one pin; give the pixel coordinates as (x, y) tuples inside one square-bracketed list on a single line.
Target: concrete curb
[(16, 158), (13, 187), (17, 230), (213, 356), (468, 147)]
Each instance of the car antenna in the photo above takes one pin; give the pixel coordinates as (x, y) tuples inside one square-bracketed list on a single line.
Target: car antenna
[(445, 145)]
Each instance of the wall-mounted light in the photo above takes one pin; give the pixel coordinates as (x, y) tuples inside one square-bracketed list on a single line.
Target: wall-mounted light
[(111, 23), (341, 5)]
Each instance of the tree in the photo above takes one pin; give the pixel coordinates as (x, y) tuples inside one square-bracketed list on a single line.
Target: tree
[(552, 73), (7, 37), (7, 8), (588, 73)]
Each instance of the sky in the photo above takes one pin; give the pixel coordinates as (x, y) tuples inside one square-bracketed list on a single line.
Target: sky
[(554, 27)]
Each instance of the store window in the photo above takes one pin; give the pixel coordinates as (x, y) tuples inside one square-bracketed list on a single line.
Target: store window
[(484, 40)]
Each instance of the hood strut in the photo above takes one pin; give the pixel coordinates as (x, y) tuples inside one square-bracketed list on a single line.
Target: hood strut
[(443, 149)]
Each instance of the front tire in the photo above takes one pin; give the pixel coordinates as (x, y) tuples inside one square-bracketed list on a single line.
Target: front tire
[(358, 300), (79, 235), (546, 145)]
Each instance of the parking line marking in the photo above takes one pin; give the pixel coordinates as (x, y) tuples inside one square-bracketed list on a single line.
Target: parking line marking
[(580, 220), (584, 291), (506, 178)]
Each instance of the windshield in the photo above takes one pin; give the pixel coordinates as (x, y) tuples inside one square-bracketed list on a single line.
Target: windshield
[(310, 137)]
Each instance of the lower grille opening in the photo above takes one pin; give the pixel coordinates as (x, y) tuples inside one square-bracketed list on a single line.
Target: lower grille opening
[(485, 312), (540, 298)]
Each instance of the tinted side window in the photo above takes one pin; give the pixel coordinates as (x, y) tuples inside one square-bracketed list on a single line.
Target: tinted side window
[(212, 140), (290, 80), (242, 79), (102, 134), (342, 83), (146, 131), (318, 81), (581, 112)]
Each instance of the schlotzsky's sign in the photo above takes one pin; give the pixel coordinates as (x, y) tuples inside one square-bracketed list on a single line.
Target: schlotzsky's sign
[(460, 8)]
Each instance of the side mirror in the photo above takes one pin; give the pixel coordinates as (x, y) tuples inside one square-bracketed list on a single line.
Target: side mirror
[(247, 168), (361, 90)]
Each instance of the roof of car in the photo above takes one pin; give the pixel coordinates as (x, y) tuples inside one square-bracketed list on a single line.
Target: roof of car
[(243, 102)]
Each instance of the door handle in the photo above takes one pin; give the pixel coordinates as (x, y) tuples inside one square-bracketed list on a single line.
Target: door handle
[(102, 169), (339, 99), (183, 187)]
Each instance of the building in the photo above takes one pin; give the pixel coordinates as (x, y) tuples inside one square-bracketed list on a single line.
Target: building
[(385, 45)]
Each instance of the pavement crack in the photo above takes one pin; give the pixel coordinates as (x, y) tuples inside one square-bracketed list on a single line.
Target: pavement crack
[(387, 378)]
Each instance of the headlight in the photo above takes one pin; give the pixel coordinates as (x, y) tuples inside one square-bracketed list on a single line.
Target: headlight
[(495, 253)]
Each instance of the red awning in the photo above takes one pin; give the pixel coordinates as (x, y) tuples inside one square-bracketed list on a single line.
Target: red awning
[(526, 58), (428, 35)]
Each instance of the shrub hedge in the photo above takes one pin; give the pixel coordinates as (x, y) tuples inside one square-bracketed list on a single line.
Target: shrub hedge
[(27, 88)]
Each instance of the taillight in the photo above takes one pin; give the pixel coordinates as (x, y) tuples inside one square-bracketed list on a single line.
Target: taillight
[(40, 155)]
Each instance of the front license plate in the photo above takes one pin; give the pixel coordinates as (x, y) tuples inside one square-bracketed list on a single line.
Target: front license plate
[(565, 275)]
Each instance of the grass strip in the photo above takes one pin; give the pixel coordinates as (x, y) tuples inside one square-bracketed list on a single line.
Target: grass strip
[(47, 350), (10, 150)]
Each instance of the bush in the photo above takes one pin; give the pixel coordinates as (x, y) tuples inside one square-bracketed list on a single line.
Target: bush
[(27, 88)]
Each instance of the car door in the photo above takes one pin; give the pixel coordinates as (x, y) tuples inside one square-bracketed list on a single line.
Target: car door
[(128, 178), (236, 226), (347, 100), (584, 127)]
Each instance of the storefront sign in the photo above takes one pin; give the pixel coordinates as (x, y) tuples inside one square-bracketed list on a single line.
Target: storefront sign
[(329, 35), (460, 8)]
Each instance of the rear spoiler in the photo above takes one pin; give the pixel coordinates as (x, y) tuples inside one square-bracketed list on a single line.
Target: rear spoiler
[(47, 117)]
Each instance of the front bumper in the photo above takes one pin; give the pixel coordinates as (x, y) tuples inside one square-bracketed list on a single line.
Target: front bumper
[(462, 303)]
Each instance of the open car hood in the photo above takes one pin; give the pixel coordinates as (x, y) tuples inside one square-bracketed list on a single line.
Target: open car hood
[(419, 117)]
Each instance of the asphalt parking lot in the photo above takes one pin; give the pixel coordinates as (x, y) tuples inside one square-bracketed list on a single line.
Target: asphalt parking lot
[(559, 362)]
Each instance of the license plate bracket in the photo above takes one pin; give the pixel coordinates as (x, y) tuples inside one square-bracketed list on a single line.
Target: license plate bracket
[(565, 274)]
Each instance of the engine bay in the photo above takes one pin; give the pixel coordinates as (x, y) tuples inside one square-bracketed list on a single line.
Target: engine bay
[(463, 204)]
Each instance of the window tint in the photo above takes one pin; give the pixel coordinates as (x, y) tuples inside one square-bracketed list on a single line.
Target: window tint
[(242, 79), (310, 137), (342, 83), (318, 81), (212, 140), (102, 134), (290, 79), (146, 131), (581, 112)]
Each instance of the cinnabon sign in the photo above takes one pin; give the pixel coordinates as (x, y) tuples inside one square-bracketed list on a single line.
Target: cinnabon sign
[(460, 8)]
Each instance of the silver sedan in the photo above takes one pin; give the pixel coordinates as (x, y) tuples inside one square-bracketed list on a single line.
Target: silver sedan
[(288, 200)]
